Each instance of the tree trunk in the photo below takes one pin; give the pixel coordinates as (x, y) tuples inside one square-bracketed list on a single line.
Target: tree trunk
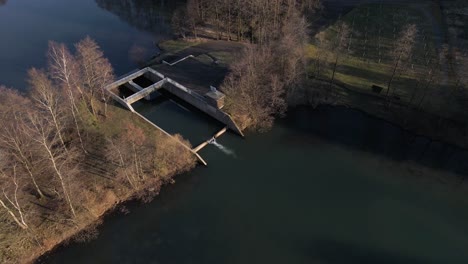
[(334, 70), (13, 216), (18, 219), (74, 112), (393, 74)]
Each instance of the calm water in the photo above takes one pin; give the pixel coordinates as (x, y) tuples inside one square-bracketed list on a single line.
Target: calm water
[(324, 186), (126, 32)]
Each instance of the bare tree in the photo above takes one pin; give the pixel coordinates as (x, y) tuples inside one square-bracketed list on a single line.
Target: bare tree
[(433, 79), (56, 159), (96, 72), (15, 142), (403, 50), (128, 151), (321, 57), (251, 97), (9, 198), (258, 83), (459, 68), (339, 46), (63, 69), (290, 49), (193, 17), (257, 20), (47, 99), (117, 154), (179, 22), (62, 66), (12, 138)]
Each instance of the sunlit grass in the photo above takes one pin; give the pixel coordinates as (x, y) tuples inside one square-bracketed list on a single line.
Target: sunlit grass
[(175, 46)]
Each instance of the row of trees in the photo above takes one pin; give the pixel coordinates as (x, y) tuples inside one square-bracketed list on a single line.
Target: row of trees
[(41, 141), (256, 87), (62, 152), (409, 63), (258, 21), (259, 82)]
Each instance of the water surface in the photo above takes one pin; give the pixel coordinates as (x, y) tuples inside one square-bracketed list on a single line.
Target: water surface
[(324, 186), (26, 26), (313, 190)]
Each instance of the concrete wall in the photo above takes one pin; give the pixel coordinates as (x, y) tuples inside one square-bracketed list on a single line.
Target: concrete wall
[(205, 107), (175, 88), (121, 101)]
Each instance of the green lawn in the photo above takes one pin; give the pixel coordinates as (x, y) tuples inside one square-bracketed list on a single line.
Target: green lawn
[(369, 61), (175, 46)]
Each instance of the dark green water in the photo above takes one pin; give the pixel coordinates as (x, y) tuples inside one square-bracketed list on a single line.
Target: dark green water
[(125, 29), (326, 186)]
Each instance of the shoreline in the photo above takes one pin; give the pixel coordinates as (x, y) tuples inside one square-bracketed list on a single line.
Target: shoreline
[(436, 128), (98, 221), (113, 208), (408, 118), (109, 209)]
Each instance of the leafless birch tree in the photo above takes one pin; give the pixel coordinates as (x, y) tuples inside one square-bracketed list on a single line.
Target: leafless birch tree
[(403, 50)]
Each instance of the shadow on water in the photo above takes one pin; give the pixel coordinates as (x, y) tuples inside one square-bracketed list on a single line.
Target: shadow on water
[(178, 117), (289, 197), (357, 130), (149, 15), (337, 252)]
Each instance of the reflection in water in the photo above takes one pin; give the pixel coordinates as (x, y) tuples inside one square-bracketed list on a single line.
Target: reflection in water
[(29, 25), (148, 15)]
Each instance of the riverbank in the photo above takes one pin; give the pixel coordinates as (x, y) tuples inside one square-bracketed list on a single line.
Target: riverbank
[(84, 229), (103, 187), (319, 92), (312, 95), (330, 185), (316, 92)]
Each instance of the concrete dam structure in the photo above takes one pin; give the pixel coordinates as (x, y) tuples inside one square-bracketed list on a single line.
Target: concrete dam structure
[(210, 103)]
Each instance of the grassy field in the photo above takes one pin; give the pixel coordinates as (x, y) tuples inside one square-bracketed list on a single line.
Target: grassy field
[(367, 59), (175, 46), (224, 52)]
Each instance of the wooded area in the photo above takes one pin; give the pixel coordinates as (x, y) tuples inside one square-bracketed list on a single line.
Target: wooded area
[(383, 50), (397, 54), (67, 155), (275, 62)]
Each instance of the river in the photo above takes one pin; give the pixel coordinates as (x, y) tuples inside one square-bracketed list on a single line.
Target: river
[(126, 30), (330, 185)]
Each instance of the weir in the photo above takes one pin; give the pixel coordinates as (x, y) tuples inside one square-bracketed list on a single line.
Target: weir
[(204, 144), (210, 103)]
